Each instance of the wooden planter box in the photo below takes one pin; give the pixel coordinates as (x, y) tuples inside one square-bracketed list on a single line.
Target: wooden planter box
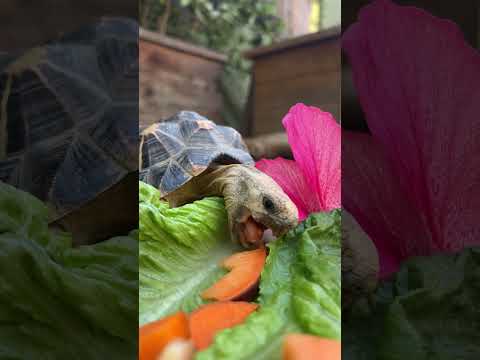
[(304, 69), (176, 76)]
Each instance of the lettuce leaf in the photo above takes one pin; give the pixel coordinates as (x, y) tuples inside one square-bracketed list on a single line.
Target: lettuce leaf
[(428, 310), (180, 250), (299, 289), (59, 302), (299, 292)]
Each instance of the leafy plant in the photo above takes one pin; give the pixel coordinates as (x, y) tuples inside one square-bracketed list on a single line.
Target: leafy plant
[(229, 26)]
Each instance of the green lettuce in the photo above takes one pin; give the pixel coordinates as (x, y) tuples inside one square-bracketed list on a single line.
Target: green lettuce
[(428, 310), (60, 302), (180, 250), (299, 292)]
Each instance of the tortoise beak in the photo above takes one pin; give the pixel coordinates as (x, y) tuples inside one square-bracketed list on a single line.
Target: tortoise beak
[(284, 228), (280, 232), (251, 232)]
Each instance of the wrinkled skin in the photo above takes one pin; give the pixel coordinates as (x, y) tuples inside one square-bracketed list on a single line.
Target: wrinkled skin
[(253, 200)]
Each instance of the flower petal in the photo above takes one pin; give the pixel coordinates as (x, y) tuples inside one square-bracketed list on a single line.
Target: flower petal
[(287, 174), (314, 137), (372, 194), (418, 83)]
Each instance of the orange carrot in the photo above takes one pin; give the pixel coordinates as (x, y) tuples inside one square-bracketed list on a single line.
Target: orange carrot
[(208, 320), (245, 270), (156, 335), (309, 347)]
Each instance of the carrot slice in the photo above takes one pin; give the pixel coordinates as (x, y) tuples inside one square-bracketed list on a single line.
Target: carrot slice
[(245, 270), (154, 336), (309, 347), (208, 320)]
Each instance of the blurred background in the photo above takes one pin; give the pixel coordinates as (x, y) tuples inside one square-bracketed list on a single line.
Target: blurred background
[(28, 23), (242, 63), (466, 14)]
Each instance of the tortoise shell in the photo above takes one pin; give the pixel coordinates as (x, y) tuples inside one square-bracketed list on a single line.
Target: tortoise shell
[(69, 123), (183, 146)]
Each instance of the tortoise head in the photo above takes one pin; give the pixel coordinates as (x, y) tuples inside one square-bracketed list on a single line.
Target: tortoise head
[(255, 202)]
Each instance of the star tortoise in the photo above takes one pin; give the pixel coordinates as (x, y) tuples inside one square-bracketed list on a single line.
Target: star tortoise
[(188, 157)]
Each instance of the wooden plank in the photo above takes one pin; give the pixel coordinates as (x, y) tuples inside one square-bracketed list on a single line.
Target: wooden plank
[(158, 57), (173, 80), (320, 58), (272, 100), (270, 119), (306, 70), (322, 87), (178, 45), (318, 37)]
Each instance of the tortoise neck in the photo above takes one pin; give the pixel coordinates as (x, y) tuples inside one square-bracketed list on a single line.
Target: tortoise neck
[(214, 181)]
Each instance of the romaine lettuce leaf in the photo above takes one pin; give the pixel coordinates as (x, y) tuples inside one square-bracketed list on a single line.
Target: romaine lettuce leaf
[(299, 292), (23, 215), (59, 302), (180, 250), (428, 310)]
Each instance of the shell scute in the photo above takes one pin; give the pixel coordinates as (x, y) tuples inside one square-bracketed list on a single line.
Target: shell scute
[(49, 157), (163, 147), (71, 125), (70, 60), (199, 143), (41, 112), (115, 135), (174, 175), (118, 63), (73, 185), (81, 99)]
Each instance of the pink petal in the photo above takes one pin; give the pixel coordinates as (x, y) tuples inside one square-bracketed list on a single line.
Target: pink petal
[(418, 83), (315, 140), (287, 174), (372, 194)]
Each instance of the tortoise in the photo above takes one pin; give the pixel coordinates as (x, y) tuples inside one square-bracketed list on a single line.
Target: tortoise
[(69, 127), (188, 157)]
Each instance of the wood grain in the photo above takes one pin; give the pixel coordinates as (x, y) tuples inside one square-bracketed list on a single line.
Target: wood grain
[(173, 79), (307, 71)]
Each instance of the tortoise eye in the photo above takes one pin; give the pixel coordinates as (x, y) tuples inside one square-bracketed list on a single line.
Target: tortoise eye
[(268, 204)]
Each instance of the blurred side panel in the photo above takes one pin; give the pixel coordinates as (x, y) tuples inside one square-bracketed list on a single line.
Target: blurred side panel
[(68, 179), (410, 165)]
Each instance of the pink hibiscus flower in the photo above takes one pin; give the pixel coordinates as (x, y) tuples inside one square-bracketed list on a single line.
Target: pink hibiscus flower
[(312, 181), (413, 184)]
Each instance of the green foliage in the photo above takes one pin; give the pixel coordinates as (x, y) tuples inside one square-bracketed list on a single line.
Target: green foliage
[(227, 26)]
